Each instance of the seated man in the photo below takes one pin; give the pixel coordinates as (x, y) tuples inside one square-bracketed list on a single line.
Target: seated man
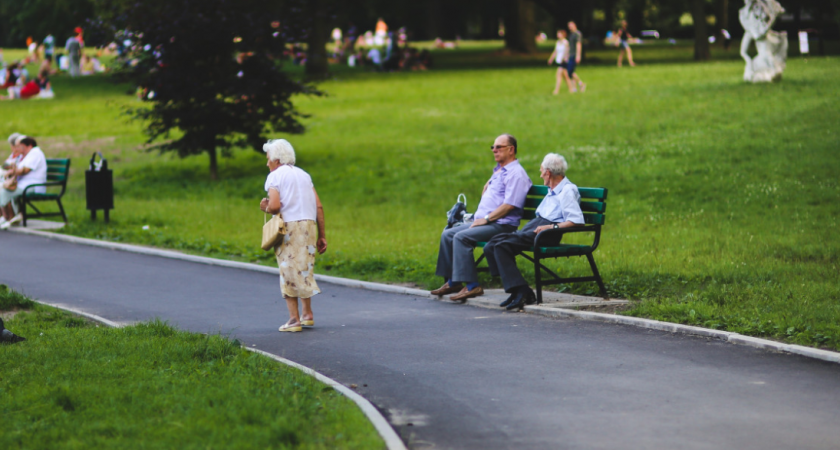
[(559, 209), (500, 210), (32, 169)]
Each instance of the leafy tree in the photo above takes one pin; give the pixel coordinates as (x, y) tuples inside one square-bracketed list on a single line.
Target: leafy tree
[(210, 71), (38, 18), (520, 29)]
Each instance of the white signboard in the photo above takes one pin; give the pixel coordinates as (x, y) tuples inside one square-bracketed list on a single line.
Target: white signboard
[(803, 42)]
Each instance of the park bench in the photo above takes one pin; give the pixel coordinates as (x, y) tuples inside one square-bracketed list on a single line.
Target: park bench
[(58, 171), (548, 246)]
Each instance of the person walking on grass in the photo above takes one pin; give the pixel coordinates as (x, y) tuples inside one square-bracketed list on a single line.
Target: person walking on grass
[(500, 210), (623, 38), (560, 56), (75, 45), (559, 209), (292, 195), (575, 52)]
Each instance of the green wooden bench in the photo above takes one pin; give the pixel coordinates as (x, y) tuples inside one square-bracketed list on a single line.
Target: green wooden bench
[(58, 171), (548, 246)]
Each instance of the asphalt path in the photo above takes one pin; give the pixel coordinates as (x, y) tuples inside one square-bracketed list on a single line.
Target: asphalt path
[(452, 376)]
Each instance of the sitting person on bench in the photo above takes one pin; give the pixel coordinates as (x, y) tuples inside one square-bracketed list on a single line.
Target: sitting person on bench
[(499, 211), (32, 169), (559, 209)]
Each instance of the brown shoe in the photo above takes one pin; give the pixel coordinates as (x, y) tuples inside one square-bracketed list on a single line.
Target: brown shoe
[(465, 294), (446, 289)]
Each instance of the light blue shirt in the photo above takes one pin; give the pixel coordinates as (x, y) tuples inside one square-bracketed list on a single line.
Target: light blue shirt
[(562, 204)]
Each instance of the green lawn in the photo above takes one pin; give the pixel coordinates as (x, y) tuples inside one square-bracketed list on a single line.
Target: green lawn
[(723, 195), (74, 384)]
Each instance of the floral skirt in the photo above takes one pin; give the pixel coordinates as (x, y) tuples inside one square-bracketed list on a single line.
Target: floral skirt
[(296, 259)]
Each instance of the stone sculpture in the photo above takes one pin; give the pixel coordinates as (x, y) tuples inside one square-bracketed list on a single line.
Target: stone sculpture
[(757, 16)]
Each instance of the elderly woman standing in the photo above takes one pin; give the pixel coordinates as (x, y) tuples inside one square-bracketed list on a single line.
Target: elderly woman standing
[(292, 194)]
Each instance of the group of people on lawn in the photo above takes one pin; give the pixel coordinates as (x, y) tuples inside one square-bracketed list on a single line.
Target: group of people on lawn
[(292, 194), (25, 167)]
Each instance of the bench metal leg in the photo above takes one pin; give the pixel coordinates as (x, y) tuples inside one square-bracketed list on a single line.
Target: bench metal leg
[(537, 275), (61, 208), (597, 275)]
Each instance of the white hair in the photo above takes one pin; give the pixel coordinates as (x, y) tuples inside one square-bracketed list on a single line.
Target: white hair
[(555, 164), (20, 138), (13, 138), (280, 150)]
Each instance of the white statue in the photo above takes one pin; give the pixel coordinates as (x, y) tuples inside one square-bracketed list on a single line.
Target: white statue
[(757, 16)]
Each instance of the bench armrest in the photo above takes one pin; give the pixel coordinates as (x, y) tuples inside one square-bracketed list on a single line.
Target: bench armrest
[(48, 183), (552, 237)]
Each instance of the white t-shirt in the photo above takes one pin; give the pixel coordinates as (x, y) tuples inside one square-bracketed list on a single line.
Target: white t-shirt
[(37, 164), (562, 50), (297, 194)]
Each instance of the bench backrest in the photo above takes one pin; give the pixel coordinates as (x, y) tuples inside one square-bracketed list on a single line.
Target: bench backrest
[(593, 203), (58, 169)]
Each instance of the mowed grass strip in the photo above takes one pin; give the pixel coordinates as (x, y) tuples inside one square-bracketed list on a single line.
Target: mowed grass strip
[(723, 195), (74, 384)]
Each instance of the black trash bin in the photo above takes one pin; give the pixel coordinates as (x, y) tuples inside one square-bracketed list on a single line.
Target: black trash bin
[(99, 186)]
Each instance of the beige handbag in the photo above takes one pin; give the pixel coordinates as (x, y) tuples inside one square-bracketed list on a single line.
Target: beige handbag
[(273, 232)]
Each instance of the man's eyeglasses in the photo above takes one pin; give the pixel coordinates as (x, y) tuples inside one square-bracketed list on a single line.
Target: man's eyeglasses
[(499, 147)]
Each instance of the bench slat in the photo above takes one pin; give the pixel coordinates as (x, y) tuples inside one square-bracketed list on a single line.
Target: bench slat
[(56, 177), (596, 193), (599, 207), (585, 192), (594, 219)]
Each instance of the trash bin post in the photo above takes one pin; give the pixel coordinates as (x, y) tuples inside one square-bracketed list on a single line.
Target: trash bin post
[(99, 187)]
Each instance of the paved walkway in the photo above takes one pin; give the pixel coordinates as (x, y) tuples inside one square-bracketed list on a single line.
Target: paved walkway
[(459, 377)]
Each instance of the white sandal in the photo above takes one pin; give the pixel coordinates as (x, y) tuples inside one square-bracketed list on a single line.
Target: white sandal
[(291, 326)]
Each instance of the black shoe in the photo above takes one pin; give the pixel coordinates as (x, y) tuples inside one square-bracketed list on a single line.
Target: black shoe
[(530, 297), (509, 300), (523, 297)]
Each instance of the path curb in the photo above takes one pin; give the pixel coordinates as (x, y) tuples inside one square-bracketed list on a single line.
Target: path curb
[(734, 338), (383, 428)]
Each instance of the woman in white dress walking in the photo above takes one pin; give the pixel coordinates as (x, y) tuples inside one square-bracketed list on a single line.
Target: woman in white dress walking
[(560, 56)]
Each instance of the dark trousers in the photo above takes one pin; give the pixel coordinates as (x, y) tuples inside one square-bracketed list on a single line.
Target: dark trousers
[(501, 253), (455, 257)]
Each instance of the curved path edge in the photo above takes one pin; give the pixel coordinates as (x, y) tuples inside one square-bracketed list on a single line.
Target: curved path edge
[(735, 338), (383, 428)]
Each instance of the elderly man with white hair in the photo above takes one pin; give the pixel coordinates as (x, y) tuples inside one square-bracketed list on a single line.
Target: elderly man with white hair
[(559, 209), (292, 194)]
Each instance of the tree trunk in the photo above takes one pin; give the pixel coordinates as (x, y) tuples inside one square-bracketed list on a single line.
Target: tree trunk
[(316, 53), (722, 20), (214, 165), (701, 34), (433, 13), (520, 29)]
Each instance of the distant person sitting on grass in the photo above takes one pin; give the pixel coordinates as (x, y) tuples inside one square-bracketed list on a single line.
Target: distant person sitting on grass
[(559, 209), (292, 195), (32, 169), (500, 210)]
